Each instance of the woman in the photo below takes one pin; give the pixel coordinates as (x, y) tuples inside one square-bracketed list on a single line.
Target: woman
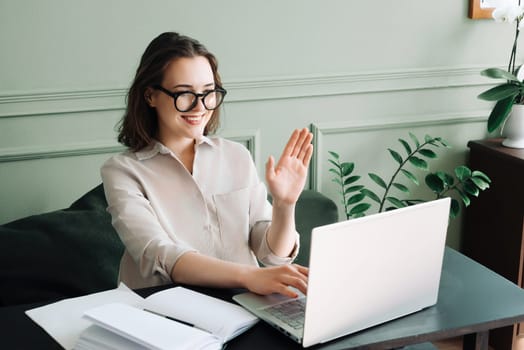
[(188, 207)]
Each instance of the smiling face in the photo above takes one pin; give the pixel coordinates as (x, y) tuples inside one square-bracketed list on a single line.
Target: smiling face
[(177, 129)]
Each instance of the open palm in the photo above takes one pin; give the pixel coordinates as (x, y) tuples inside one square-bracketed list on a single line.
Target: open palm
[(286, 180)]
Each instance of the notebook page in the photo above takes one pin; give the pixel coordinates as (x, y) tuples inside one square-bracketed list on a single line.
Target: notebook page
[(63, 320), (150, 330), (224, 319)]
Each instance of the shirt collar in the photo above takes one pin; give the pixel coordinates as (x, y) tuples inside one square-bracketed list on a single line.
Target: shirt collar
[(158, 148)]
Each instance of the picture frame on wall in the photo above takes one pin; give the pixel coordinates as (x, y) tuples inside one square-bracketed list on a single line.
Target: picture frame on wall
[(479, 9)]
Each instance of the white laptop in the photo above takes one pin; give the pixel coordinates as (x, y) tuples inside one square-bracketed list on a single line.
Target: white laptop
[(363, 272)]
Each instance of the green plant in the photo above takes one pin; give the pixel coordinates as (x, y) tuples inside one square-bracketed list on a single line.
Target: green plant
[(512, 91), (507, 94), (355, 197)]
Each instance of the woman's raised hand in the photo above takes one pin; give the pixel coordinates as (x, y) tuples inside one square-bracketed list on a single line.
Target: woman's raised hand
[(286, 180)]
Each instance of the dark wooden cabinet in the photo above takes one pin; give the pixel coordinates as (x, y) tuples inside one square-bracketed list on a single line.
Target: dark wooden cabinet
[(494, 222)]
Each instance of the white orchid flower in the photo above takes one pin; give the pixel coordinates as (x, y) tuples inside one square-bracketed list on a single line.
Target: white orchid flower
[(520, 73), (508, 11)]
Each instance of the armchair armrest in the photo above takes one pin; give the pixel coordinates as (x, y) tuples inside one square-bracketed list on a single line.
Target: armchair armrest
[(313, 209)]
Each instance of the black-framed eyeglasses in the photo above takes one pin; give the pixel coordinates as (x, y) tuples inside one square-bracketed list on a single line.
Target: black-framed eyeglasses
[(187, 100)]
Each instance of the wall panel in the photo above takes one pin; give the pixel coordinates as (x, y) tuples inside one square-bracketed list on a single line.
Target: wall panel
[(256, 114), (371, 72), (366, 145)]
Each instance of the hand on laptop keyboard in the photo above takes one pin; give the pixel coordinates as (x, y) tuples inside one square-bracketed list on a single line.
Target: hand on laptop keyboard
[(278, 279)]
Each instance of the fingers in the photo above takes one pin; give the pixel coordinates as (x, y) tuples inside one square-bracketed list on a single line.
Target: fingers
[(302, 269), (306, 153), (303, 135), (285, 280), (290, 146), (298, 143), (303, 142), (296, 277), (270, 168), (287, 292), (299, 284)]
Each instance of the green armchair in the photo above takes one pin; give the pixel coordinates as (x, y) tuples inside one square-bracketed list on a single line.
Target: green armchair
[(76, 251)]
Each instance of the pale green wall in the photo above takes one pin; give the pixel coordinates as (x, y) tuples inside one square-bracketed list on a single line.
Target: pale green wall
[(361, 74)]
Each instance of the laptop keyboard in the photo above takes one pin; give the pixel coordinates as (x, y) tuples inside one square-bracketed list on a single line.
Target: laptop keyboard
[(291, 312)]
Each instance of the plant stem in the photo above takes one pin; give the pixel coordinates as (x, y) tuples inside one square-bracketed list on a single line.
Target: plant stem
[(383, 201), (441, 194), (343, 189), (512, 58)]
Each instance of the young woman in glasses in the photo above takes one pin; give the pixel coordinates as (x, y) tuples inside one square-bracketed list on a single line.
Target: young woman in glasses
[(189, 207)]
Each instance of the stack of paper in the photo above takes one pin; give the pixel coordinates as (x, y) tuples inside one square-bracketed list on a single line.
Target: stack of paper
[(175, 318)]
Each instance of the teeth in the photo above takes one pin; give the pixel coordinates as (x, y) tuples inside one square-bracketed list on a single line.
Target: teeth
[(193, 119)]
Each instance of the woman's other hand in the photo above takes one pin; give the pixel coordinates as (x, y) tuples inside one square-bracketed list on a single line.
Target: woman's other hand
[(277, 279)]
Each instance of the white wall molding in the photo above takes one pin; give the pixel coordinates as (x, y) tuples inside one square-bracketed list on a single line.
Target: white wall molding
[(249, 138), (321, 130), (61, 102), (58, 102), (72, 150), (355, 83)]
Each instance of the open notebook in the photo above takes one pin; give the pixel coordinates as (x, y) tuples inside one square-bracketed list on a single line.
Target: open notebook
[(176, 318)]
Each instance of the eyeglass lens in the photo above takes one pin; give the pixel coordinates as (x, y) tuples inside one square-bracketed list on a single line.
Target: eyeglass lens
[(188, 100)]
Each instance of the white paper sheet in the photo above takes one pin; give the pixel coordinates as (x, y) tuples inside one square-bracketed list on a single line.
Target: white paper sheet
[(63, 320)]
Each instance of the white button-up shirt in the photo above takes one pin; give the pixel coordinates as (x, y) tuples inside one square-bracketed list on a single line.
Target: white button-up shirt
[(161, 211)]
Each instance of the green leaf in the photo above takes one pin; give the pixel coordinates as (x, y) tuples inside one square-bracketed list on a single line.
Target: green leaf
[(415, 140), (395, 156), (351, 179), (447, 179), (429, 139), (464, 198), (435, 183), (414, 201), (334, 163), (378, 180), (499, 113), (480, 183), (500, 92), (462, 172), (454, 209), (428, 153), (419, 163), (335, 171), (359, 209), (410, 176), (450, 181), (401, 187), (356, 198), (371, 195), (353, 189), (406, 146), (443, 142), (478, 173), (497, 73), (334, 154), (471, 189), (347, 168), (337, 180), (396, 202)]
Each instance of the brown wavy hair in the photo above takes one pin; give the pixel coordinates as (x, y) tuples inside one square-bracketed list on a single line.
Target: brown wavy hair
[(139, 125)]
